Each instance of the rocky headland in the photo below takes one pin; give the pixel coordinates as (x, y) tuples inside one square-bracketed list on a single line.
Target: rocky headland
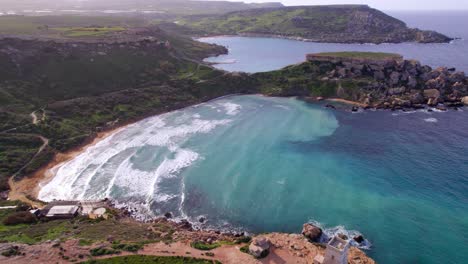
[(395, 82), (333, 23), (371, 80)]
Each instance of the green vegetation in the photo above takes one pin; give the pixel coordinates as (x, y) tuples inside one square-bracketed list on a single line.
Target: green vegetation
[(102, 251), (245, 249), (126, 247), (87, 231), (88, 31), (22, 217), (361, 55), (11, 252), (77, 90), (143, 259), (209, 246), (51, 25), (335, 23), (205, 246)]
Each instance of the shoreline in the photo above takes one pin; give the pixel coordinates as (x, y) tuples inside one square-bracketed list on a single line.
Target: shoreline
[(273, 36), (29, 186)]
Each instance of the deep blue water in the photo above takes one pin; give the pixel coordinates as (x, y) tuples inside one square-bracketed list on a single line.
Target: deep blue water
[(265, 54)]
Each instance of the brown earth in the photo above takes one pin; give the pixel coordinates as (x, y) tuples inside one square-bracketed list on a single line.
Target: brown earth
[(286, 248)]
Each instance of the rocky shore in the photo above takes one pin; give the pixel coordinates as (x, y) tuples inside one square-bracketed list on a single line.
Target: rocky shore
[(392, 82)]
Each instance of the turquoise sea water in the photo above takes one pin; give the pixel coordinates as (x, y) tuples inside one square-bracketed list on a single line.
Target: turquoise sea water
[(271, 164)]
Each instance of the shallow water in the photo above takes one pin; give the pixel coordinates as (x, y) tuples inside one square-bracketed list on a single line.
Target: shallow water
[(271, 164)]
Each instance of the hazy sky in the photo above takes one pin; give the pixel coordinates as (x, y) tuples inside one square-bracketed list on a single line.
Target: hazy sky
[(385, 4)]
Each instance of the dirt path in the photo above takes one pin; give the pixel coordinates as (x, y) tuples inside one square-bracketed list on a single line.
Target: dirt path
[(34, 118)]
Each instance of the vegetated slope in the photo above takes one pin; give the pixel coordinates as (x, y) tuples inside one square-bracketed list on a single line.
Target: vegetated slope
[(75, 88), (161, 6), (335, 23)]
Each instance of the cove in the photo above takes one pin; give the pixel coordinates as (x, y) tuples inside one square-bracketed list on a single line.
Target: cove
[(270, 164)]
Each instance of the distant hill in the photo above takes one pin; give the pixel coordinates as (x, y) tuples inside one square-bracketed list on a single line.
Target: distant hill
[(335, 23), (167, 6)]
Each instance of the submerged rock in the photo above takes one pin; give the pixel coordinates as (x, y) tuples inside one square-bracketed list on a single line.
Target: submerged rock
[(168, 215), (359, 239), (312, 232)]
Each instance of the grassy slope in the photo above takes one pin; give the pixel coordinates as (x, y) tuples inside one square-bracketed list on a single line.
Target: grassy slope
[(305, 80), (39, 24), (79, 92), (348, 23)]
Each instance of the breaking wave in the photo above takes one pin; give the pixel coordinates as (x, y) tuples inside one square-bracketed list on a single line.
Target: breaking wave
[(330, 232), (130, 165)]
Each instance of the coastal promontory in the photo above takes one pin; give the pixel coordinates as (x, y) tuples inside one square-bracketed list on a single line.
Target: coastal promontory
[(334, 23)]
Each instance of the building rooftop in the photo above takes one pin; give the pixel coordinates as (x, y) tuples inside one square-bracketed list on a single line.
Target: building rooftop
[(338, 243), (62, 210)]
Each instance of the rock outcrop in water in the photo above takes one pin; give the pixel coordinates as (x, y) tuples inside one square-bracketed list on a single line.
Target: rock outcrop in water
[(312, 232), (397, 82), (379, 80)]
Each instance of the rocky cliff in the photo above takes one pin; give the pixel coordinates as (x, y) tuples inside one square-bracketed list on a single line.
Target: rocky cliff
[(336, 23), (377, 80)]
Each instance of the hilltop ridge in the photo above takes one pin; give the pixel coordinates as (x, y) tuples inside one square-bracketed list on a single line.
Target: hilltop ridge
[(332, 23)]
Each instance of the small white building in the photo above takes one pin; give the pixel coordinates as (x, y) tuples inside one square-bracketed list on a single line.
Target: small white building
[(63, 211), (336, 252)]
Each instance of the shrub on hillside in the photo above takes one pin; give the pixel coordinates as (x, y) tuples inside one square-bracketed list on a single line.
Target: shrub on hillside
[(20, 218)]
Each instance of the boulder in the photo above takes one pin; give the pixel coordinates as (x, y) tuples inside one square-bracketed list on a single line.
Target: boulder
[(260, 247), (359, 239), (379, 75), (395, 78), (417, 98), (412, 82), (433, 101), (396, 91), (464, 100), (168, 215), (312, 232), (431, 93), (457, 77)]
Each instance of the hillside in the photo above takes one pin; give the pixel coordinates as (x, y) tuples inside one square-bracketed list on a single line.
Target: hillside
[(337, 24), (57, 92), (181, 7)]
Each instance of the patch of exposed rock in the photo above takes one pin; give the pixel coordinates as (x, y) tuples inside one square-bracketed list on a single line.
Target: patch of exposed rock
[(260, 247), (393, 82)]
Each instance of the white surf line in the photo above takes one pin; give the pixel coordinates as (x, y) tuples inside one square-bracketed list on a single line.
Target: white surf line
[(182, 200), (119, 168), (118, 151)]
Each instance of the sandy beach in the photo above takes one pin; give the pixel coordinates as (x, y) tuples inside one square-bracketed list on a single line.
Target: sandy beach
[(29, 187)]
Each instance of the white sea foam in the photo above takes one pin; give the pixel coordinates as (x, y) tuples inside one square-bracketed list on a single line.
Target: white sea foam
[(281, 106), (231, 108), (328, 233), (431, 120), (76, 179)]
